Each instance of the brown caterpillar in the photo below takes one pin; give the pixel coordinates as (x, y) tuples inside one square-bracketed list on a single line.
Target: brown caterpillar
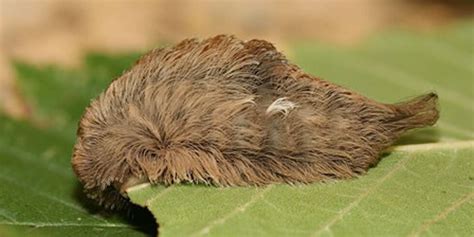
[(226, 112)]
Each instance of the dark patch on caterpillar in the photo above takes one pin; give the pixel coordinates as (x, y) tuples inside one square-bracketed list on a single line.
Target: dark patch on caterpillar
[(137, 217), (230, 113)]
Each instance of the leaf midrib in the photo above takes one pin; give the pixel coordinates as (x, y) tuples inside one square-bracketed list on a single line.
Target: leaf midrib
[(63, 224), (433, 146)]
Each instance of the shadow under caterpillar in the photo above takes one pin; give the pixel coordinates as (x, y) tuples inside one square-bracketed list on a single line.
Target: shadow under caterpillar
[(226, 112)]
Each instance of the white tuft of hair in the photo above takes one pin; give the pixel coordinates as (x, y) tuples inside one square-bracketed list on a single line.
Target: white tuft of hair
[(280, 105)]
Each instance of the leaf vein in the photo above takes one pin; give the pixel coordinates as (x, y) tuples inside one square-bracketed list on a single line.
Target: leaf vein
[(341, 214), (240, 209), (443, 214)]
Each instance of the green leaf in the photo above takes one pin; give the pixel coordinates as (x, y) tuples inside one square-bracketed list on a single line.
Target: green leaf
[(418, 189), (425, 189), (39, 193)]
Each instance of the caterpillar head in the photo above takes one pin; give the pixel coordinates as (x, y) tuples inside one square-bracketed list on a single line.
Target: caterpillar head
[(110, 154)]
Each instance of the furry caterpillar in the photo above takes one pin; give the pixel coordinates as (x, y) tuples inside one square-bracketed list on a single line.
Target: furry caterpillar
[(226, 112)]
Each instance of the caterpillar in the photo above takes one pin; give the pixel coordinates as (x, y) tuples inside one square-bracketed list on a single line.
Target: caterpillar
[(227, 112)]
